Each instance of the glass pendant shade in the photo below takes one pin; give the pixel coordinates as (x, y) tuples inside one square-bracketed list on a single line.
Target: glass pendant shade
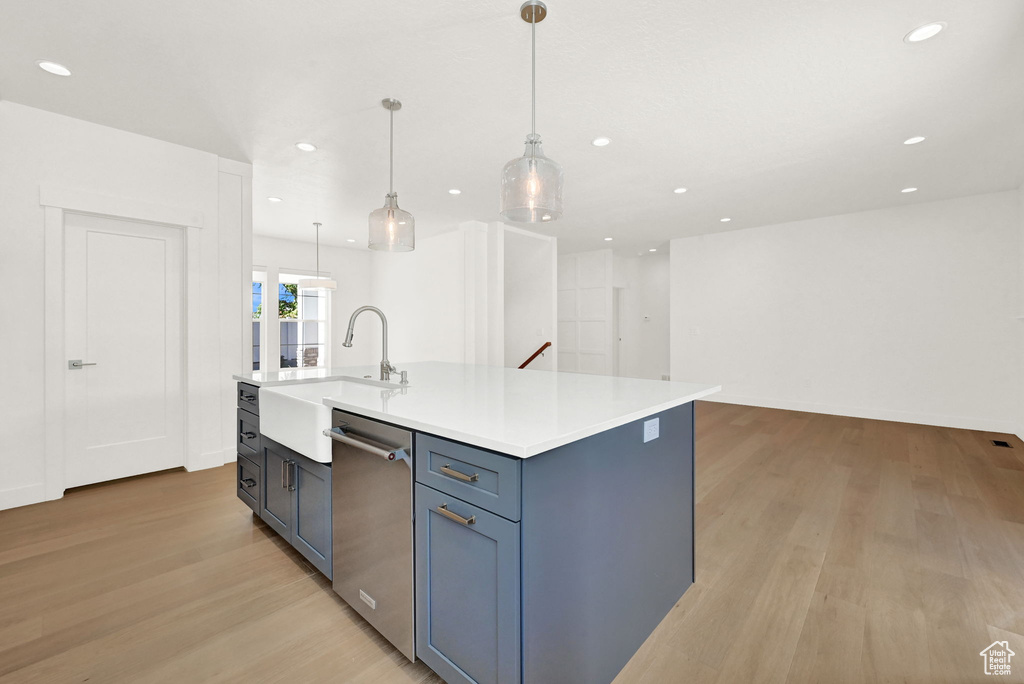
[(318, 284), (391, 228), (531, 186)]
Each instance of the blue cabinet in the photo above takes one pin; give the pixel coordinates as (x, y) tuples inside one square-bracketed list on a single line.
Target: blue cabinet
[(467, 590), (276, 508), (296, 502), (554, 568), (311, 513)]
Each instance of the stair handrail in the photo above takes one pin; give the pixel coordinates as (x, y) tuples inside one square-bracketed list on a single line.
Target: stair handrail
[(535, 354)]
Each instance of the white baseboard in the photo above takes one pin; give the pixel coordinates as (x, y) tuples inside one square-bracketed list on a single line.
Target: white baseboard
[(211, 459), (22, 496), (964, 423)]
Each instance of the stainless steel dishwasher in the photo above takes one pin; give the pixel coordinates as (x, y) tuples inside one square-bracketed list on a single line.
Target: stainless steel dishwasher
[(371, 498)]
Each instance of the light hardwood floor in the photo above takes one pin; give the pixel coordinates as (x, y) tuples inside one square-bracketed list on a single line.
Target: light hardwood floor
[(829, 549)]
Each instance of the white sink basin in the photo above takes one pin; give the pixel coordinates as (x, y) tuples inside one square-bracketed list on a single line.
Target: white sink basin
[(295, 416)]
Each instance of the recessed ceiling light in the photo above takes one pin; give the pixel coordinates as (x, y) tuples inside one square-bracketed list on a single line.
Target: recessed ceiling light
[(924, 32), (679, 191), (350, 240), (545, 217), (909, 190), (273, 199), (54, 68), (652, 250), (454, 191), (913, 141), (600, 142), (608, 239), (306, 147), (725, 220)]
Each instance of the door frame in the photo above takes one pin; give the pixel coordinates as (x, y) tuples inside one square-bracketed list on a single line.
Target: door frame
[(56, 201)]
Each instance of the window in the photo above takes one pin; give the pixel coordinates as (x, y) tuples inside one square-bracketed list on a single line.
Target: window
[(257, 316), (290, 327), (303, 324)]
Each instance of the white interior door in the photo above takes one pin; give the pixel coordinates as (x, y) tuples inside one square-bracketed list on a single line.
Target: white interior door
[(123, 294)]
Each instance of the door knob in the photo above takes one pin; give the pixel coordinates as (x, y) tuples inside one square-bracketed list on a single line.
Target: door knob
[(78, 364)]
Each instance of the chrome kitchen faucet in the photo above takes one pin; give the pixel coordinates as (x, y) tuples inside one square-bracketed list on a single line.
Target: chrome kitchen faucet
[(386, 369)]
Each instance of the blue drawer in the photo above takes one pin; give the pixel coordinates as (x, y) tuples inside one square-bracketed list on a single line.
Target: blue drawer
[(247, 426), (248, 398), (482, 478), (249, 480)]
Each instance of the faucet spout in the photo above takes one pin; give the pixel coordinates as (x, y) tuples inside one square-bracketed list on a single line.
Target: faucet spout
[(386, 369)]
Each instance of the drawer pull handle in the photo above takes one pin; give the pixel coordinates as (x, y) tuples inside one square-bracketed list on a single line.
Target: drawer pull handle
[(443, 510), (248, 397), (248, 483), (248, 435), (451, 472)]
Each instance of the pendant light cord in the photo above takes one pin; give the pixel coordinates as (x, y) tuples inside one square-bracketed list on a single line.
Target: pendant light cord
[(391, 166), (317, 249), (533, 72)]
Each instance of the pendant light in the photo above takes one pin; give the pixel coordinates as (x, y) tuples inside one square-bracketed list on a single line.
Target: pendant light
[(318, 283), (391, 229), (531, 186)]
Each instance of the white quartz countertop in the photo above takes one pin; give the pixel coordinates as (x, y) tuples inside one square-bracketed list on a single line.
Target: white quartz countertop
[(294, 376), (517, 412)]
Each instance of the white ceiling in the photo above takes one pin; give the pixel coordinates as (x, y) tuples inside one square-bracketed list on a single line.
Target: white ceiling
[(766, 111)]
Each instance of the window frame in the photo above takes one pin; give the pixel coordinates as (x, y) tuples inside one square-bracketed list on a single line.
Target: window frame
[(270, 322), (259, 276)]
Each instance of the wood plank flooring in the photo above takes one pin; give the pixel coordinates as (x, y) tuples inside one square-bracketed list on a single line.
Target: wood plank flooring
[(829, 549)]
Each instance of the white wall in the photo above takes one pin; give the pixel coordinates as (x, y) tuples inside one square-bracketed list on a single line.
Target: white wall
[(529, 273), (642, 284), (902, 314), (1020, 312), (445, 301), (425, 294), (585, 312), (349, 267), (40, 149)]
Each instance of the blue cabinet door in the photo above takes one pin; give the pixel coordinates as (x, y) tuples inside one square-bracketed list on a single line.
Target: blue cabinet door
[(467, 590), (311, 516), (276, 508)]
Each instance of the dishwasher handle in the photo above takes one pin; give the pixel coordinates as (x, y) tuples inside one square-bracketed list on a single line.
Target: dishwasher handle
[(387, 454)]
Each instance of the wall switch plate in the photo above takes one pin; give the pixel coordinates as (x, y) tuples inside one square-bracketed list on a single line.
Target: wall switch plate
[(651, 428)]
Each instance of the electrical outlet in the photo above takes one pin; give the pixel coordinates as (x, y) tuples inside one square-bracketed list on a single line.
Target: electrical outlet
[(367, 599), (651, 429)]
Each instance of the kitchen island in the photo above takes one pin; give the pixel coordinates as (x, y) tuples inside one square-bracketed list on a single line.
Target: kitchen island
[(551, 513)]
